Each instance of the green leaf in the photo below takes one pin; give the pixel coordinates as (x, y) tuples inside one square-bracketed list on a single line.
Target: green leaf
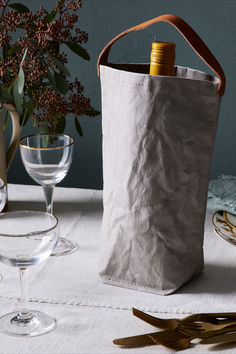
[(78, 127), (44, 130), (61, 2), (28, 108), (29, 105), (18, 98), (92, 113), (76, 48), (49, 17), (24, 55), (6, 120), (13, 50), (24, 117), (45, 139), (5, 96), (60, 65), (21, 80), (19, 7), (60, 126), (60, 83), (2, 99), (52, 80)]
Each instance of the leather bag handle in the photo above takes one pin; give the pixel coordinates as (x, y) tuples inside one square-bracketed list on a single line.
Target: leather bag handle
[(189, 35)]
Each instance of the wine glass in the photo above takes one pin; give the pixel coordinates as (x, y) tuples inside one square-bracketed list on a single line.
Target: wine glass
[(26, 238), (47, 159)]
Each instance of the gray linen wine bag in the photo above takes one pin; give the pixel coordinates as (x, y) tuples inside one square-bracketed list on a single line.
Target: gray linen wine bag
[(158, 137)]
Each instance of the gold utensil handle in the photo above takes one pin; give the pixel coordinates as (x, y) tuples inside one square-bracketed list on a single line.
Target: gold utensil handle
[(223, 338), (142, 339)]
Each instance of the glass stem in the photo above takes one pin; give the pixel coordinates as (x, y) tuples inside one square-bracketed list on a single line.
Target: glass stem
[(24, 317), (48, 193), (24, 291)]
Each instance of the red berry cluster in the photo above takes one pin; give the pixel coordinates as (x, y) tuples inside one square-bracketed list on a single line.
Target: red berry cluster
[(47, 86)]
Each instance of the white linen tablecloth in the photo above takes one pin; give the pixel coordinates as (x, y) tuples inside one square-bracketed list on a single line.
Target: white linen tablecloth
[(91, 314)]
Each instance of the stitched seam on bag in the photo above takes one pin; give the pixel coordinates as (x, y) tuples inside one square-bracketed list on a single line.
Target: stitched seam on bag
[(170, 78), (131, 83), (180, 69), (182, 89), (124, 282), (132, 285)]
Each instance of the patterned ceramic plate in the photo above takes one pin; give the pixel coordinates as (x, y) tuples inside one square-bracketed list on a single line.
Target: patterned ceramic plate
[(225, 225), (230, 219)]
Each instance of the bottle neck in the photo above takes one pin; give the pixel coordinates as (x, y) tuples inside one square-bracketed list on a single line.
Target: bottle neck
[(162, 59)]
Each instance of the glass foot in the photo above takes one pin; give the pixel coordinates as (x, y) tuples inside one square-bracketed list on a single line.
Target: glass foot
[(34, 324), (64, 246)]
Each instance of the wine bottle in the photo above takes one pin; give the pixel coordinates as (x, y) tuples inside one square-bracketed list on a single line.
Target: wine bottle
[(162, 58)]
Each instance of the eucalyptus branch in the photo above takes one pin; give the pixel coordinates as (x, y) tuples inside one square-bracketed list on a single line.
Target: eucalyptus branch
[(40, 87), (4, 8)]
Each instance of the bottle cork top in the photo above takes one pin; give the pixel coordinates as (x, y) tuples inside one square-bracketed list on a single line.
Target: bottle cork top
[(163, 45)]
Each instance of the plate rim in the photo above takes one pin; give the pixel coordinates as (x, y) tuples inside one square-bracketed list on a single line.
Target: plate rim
[(227, 220), (218, 231)]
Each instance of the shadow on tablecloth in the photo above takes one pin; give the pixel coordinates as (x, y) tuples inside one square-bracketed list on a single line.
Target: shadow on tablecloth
[(217, 279), (61, 207)]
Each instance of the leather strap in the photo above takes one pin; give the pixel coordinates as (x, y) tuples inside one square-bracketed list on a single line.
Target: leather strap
[(190, 36)]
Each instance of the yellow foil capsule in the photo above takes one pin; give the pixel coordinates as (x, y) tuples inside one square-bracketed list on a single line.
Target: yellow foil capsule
[(162, 58)]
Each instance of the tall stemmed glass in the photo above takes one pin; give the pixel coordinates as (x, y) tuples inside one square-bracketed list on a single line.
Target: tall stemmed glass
[(26, 238), (47, 159)]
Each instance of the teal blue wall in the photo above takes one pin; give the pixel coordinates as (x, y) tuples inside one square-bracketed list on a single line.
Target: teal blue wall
[(215, 22)]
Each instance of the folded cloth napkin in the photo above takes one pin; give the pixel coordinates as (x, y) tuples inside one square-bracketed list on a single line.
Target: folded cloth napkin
[(222, 194)]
